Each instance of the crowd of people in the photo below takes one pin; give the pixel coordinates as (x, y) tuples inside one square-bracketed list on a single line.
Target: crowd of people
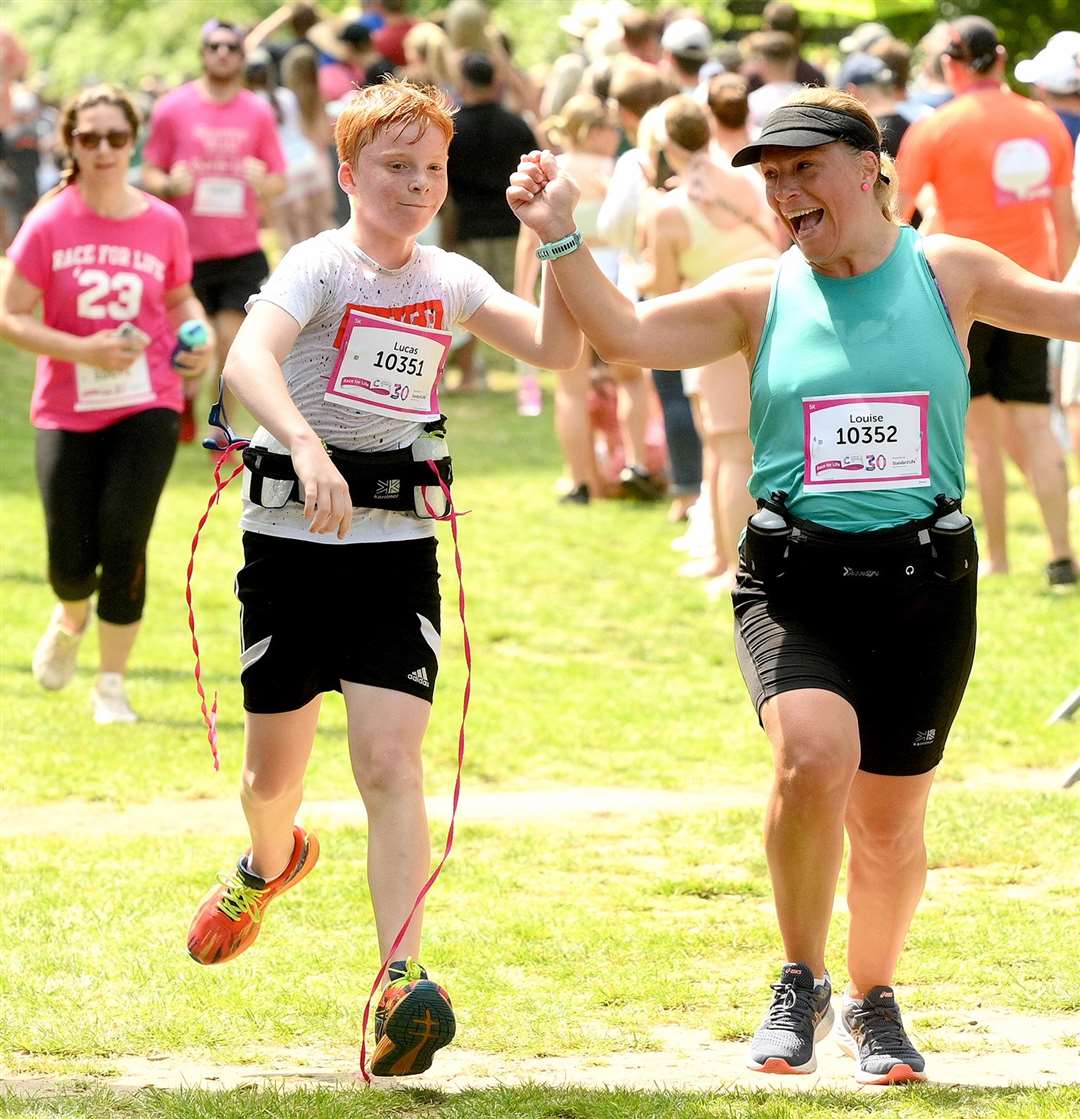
[(778, 293)]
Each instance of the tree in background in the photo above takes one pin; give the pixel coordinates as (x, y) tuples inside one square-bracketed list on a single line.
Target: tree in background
[(74, 42)]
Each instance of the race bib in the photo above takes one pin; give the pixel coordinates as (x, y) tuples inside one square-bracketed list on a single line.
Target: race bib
[(388, 367), (866, 442), (217, 197), (97, 389)]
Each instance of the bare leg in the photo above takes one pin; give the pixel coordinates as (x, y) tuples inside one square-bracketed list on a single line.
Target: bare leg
[(886, 872), (572, 422), (466, 357), (386, 731), (734, 503), (73, 615), (277, 749), (115, 643), (633, 411), (1047, 474), (1072, 416), (815, 739), (984, 435)]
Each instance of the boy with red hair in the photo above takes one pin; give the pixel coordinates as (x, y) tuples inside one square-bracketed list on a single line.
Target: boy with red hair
[(339, 359)]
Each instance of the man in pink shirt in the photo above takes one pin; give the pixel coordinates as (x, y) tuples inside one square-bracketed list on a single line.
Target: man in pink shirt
[(213, 152)]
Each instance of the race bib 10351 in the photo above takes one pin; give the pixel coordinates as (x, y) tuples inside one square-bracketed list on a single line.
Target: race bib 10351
[(389, 368)]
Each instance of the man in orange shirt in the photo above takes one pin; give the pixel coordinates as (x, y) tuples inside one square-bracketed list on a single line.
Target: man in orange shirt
[(1001, 168)]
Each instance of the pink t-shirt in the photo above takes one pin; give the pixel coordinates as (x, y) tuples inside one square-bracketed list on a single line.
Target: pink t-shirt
[(215, 138), (96, 274)]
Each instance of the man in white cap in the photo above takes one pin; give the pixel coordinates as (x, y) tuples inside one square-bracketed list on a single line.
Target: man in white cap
[(1055, 74), (685, 45)]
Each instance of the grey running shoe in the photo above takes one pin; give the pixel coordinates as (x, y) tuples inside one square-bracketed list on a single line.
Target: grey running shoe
[(800, 1016), (872, 1032), (53, 663)]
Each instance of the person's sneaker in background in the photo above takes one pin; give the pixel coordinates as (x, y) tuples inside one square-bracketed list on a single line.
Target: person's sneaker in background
[(801, 1015), (872, 1031), (413, 1020), (637, 483), (53, 662), (110, 700), (1061, 573), (579, 495)]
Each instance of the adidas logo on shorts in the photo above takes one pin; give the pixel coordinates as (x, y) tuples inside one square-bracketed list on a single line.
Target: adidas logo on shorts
[(420, 677)]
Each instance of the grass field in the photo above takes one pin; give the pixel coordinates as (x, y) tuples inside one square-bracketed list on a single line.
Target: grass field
[(565, 931)]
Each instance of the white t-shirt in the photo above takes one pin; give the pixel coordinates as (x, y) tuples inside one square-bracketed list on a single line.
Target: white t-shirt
[(315, 283)]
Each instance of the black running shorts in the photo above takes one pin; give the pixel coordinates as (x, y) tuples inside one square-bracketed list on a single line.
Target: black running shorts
[(227, 284), (313, 614), (900, 654), (1009, 366)]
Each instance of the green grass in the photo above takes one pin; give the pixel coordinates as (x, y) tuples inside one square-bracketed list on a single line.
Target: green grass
[(595, 666), (542, 1102)]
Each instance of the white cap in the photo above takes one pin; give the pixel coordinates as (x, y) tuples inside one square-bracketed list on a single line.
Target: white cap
[(689, 37), (1056, 68), (864, 37)]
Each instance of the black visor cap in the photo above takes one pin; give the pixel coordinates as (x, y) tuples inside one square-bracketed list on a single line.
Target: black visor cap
[(806, 126)]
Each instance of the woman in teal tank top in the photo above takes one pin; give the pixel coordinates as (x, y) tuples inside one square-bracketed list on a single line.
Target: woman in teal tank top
[(855, 602)]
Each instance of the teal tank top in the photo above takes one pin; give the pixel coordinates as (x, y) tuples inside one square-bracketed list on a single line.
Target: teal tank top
[(859, 393)]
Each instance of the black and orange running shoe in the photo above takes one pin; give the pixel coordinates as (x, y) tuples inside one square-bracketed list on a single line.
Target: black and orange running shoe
[(414, 1018), (230, 916)]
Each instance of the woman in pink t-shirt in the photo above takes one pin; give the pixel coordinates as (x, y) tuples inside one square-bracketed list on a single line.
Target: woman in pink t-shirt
[(110, 267)]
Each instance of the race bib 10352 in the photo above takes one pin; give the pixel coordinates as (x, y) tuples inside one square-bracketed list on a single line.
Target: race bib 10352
[(877, 442)]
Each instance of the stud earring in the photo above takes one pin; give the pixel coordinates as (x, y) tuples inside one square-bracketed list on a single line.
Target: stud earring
[(866, 186)]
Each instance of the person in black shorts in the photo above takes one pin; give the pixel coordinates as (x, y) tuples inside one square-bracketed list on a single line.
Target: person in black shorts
[(855, 599), (340, 360), (213, 152)]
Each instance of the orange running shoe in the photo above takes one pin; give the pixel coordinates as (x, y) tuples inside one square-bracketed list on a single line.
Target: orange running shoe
[(230, 916), (414, 1018)]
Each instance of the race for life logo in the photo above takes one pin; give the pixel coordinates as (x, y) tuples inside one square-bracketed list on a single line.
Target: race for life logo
[(1021, 171)]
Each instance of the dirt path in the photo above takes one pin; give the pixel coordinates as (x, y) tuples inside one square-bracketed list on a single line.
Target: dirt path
[(222, 815), (166, 817), (984, 1048)]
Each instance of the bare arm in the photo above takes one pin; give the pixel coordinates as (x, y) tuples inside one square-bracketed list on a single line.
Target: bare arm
[(253, 372), (176, 181), (665, 237), (1064, 218), (982, 284), (180, 306), (546, 336), (273, 23), (20, 326), (677, 331), (526, 266)]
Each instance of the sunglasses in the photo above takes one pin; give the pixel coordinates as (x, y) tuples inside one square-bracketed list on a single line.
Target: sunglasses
[(116, 138), (231, 46)]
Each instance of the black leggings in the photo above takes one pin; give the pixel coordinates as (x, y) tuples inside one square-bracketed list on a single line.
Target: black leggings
[(100, 490)]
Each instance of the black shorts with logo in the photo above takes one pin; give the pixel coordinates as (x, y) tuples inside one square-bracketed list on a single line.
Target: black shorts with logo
[(1010, 366), (314, 614), (900, 652), (227, 284)]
